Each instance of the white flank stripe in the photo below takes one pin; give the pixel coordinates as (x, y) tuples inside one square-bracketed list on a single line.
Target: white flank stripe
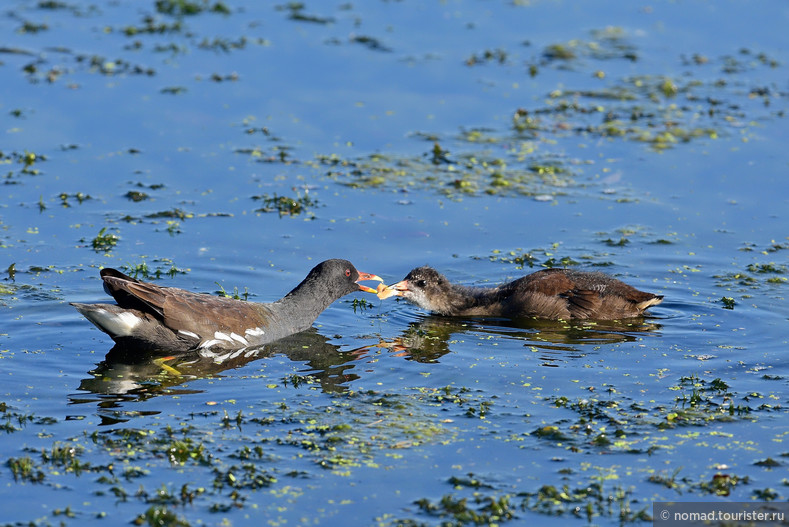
[(222, 336), (255, 332), (188, 334), (208, 343), (239, 338)]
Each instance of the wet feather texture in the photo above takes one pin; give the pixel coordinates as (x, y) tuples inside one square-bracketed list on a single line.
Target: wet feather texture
[(151, 317), (549, 294)]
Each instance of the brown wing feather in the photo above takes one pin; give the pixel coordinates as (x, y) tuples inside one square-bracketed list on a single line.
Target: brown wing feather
[(182, 310), (205, 314), (130, 293), (591, 295), (549, 282), (548, 293), (582, 303), (640, 297)]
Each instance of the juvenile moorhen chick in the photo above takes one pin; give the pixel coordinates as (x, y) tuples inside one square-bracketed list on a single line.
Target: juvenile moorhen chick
[(151, 317), (549, 294)]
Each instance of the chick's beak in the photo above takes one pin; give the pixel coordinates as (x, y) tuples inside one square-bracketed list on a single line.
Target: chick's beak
[(397, 289), (368, 276)]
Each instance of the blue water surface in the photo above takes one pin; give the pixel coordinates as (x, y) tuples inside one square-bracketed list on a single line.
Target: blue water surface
[(645, 140)]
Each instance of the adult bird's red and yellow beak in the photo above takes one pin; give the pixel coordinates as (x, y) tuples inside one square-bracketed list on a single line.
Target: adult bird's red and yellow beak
[(368, 276), (398, 289)]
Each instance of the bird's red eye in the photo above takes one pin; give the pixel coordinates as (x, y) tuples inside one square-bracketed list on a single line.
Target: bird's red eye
[(347, 272)]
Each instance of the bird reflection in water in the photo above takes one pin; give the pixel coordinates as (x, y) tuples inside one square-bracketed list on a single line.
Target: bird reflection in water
[(133, 376), (126, 377), (430, 338)]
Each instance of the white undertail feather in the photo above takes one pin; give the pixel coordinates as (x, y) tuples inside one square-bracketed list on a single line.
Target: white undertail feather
[(651, 302), (116, 324)]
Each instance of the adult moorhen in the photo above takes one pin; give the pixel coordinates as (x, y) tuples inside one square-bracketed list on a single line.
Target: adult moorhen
[(549, 294), (155, 318)]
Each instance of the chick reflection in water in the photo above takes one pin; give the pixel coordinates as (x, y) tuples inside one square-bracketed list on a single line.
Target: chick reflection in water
[(135, 376), (430, 338), (558, 308)]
